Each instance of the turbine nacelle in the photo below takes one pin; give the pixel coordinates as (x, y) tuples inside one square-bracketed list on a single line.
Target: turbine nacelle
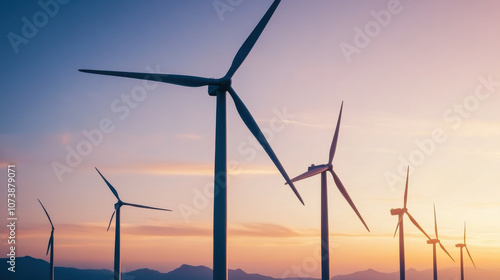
[(321, 166), (398, 211), (223, 84), (460, 245), (433, 241)]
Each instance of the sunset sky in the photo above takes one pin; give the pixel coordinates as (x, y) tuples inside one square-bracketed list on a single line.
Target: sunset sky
[(420, 86)]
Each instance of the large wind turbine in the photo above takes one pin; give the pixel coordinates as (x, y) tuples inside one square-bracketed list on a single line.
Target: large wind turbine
[(323, 168), (219, 88), (434, 242), (401, 212), (51, 243), (462, 246), (118, 205)]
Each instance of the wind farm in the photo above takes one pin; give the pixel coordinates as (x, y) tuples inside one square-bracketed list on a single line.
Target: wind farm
[(419, 107)]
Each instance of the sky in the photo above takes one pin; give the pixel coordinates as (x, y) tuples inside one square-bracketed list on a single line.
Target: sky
[(420, 82)]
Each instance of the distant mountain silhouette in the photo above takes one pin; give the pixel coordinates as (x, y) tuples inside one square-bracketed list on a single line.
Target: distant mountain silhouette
[(28, 268)]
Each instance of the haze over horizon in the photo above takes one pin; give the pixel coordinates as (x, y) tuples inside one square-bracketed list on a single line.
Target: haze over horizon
[(423, 89)]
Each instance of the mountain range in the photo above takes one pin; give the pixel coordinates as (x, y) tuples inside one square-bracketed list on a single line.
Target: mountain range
[(28, 268)]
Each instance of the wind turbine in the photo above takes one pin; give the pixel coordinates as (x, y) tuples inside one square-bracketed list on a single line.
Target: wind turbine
[(219, 88), (51, 243), (401, 212), (118, 205), (323, 168), (462, 246), (434, 242)]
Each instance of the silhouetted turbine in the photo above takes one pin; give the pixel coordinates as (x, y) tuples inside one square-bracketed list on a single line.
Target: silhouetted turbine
[(434, 242), (462, 246), (317, 169), (118, 205), (218, 88), (50, 247), (401, 212)]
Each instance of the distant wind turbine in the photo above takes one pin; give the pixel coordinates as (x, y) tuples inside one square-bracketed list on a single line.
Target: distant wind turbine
[(219, 88), (434, 242), (462, 246), (323, 168), (401, 212), (51, 243), (118, 205)]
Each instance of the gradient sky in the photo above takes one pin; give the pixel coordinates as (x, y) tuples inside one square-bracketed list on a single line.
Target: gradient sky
[(415, 77)]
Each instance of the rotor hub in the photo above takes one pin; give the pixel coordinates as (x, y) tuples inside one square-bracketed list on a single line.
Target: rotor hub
[(224, 84)]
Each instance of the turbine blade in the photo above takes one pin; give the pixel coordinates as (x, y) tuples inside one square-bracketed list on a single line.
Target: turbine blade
[(464, 233), (467, 249), (417, 225), (257, 133), (435, 223), (146, 207), (406, 187), (46, 213), (250, 41), (51, 241), (397, 226), (181, 80), (109, 185), (313, 171), (335, 137), (444, 249), (110, 220), (342, 190)]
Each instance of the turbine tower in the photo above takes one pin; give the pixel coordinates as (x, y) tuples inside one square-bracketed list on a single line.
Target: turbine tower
[(462, 246), (401, 212), (434, 242), (118, 205), (51, 243), (219, 88), (323, 168)]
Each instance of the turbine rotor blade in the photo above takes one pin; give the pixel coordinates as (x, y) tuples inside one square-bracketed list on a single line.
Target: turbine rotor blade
[(343, 191), (46, 213), (417, 225), (467, 249), (464, 233), (435, 223), (444, 249), (406, 187), (113, 190), (313, 171), (333, 147), (257, 133), (51, 241), (111, 220), (397, 226), (146, 207), (181, 80), (250, 41)]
